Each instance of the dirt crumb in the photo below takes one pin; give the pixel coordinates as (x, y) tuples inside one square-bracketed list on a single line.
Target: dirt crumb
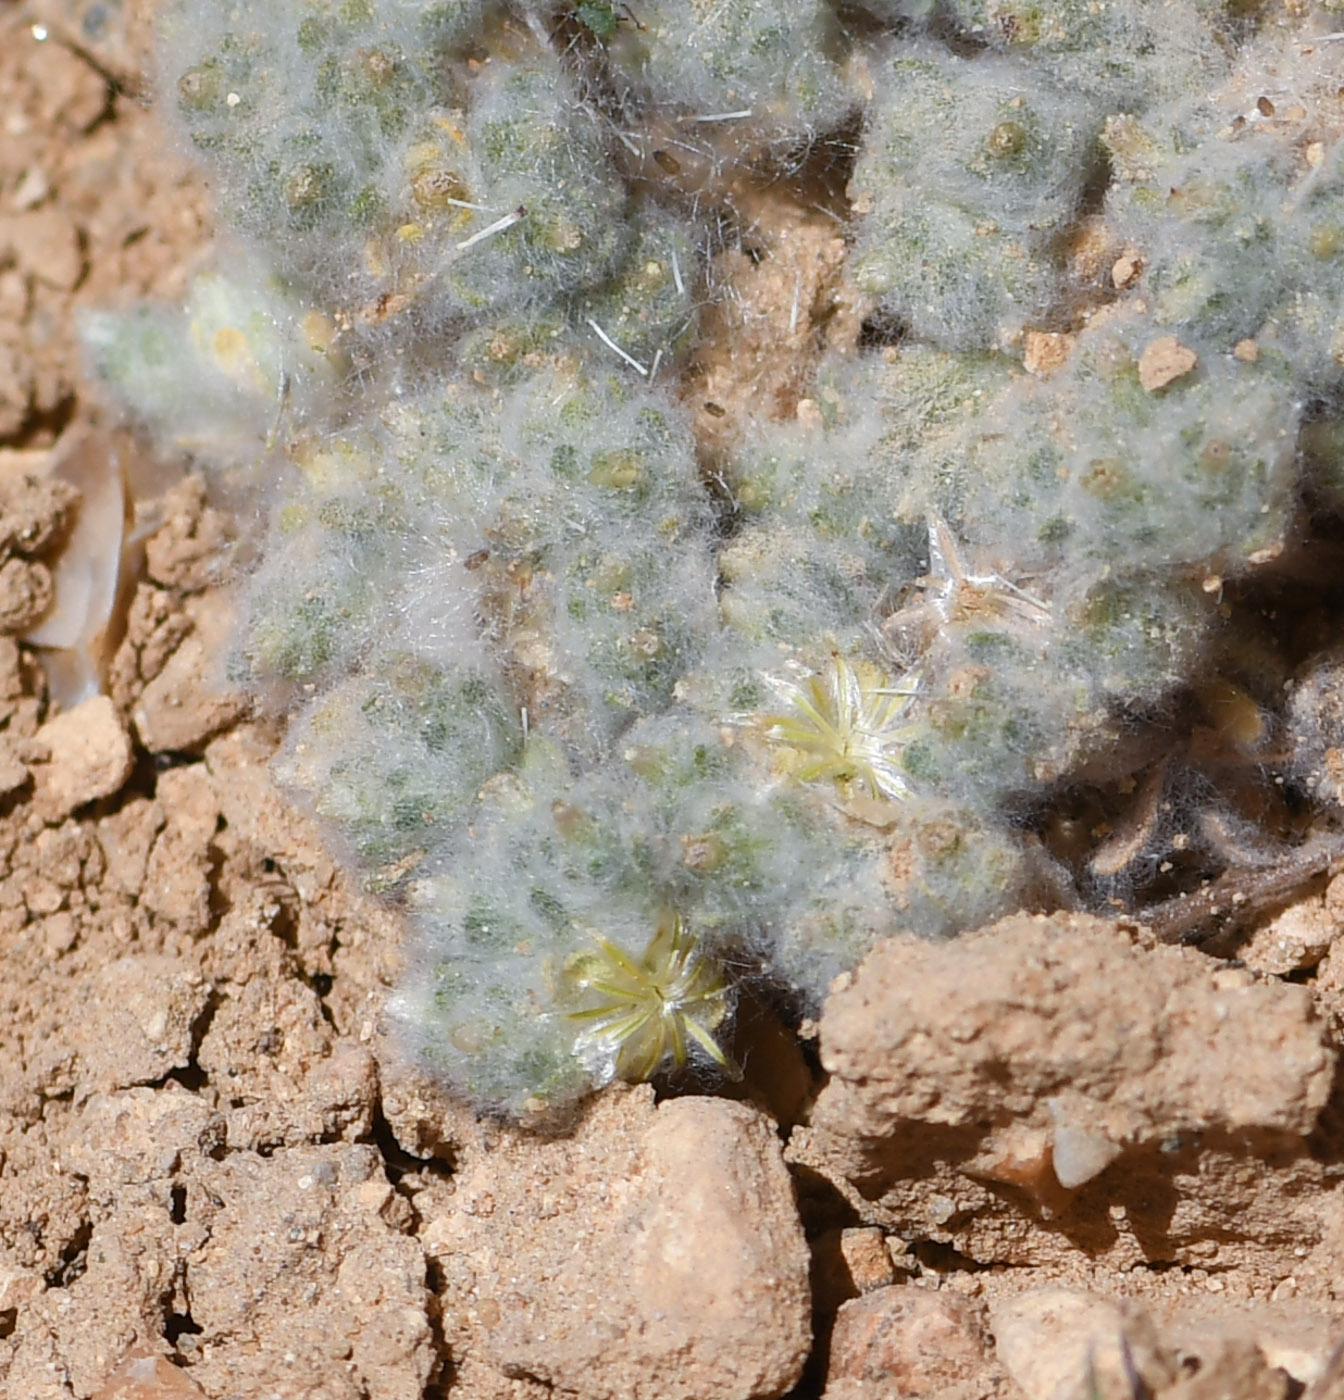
[(888, 1039), (190, 550), (1046, 351), (299, 1285), (177, 882), (94, 210), (16, 371), (1297, 938), (89, 756), (156, 624), (46, 246), (1056, 1342), (788, 303), (35, 510), (1126, 269), (133, 1022), (1164, 361), (184, 704), (25, 594), (1051, 1159), (866, 1257), (115, 35)]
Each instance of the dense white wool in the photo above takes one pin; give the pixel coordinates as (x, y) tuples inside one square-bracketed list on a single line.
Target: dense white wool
[(240, 363), (769, 72), (380, 169), (968, 172), (1128, 53)]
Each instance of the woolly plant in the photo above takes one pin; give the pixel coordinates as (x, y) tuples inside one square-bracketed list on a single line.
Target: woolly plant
[(623, 723)]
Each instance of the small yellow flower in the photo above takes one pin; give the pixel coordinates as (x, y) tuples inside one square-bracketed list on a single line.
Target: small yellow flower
[(850, 724), (647, 1010)]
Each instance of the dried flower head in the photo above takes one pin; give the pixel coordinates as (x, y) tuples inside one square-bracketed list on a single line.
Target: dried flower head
[(646, 1010), (849, 724)]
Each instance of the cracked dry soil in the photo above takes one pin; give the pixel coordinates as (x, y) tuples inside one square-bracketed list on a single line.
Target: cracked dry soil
[(1051, 1160)]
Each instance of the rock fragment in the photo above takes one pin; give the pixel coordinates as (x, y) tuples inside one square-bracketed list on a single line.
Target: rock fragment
[(1054, 1342), (654, 1255), (1049, 1057), (905, 1342), (143, 1375)]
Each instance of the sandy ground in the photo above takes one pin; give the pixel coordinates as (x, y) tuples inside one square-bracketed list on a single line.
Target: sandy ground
[(1056, 1159)]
